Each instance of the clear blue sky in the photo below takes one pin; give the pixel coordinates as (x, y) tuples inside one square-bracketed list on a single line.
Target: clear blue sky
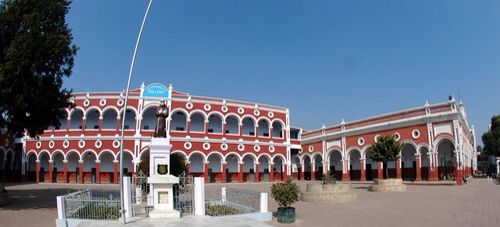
[(325, 60)]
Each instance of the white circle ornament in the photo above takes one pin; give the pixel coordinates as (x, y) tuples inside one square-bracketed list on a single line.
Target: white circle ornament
[(224, 108), (189, 105), (256, 112), (6, 142), (207, 107), (38, 144), (270, 114), (376, 138), (256, 148), (116, 143), (415, 134), (98, 144), (81, 144), (206, 146), (241, 147), (271, 149), (120, 102), (361, 141), (398, 137), (310, 149), (51, 144), (188, 145), (223, 147), (66, 144), (241, 110), (86, 102), (102, 102)]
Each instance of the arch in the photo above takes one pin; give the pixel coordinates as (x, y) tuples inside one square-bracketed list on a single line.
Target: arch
[(92, 109), (354, 156), (215, 122), (442, 137), (422, 145), (58, 151), (408, 161), (130, 117), (179, 152), (336, 165), (239, 158), (153, 106), (196, 161), (129, 108), (31, 152), (214, 164), (264, 161), (248, 126), (197, 152), (353, 149), (446, 160), (264, 126), (72, 151), (103, 152), (43, 159), (57, 164), (232, 122), (40, 153), (148, 118), (92, 118), (178, 120), (283, 158), (252, 155), (109, 117), (88, 151), (197, 121), (333, 150), (76, 118), (277, 128), (232, 160), (63, 121), (73, 157), (249, 160), (31, 158)]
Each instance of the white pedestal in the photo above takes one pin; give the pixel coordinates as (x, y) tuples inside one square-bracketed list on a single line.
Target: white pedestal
[(163, 196), (159, 153)]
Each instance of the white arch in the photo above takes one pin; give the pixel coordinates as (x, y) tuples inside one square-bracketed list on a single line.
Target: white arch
[(39, 154), (117, 155), (280, 121), (315, 154), (351, 149), (89, 151), (251, 117), (265, 119), (74, 151), (283, 158), (56, 152), (180, 152), (364, 151), (180, 110), (235, 153), (303, 156), (107, 108), (269, 158), (195, 112), (102, 152), (221, 156), (441, 138), (27, 154), (215, 113), (334, 149), (149, 106), (254, 157), (91, 108), (197, 152), (128, 108), (75, 109), (232, 115)]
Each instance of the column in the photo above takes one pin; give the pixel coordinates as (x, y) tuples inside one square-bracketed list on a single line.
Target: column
[(65, 171), (362, 168), (80, 171), (188, 165), (313, 172), (302, 171), (98, 171), (240, 172), (37, 170), (256, 172), (115, 172), (117, 124), (271, 172), (418, 168), (345, 171), (380, 170), (205, 172), (223, 170), (433, 168), (398, 168), (459, 175), (100, 123), (51, 170), (83, 122)]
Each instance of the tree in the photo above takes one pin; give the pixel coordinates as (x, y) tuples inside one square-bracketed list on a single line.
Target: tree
[(386, 149), (36, 53), (491, 138)]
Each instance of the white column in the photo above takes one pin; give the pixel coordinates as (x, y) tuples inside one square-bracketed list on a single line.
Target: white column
[(263, 202), (223, 194), (61, 208), (199, 196), (127, 198)]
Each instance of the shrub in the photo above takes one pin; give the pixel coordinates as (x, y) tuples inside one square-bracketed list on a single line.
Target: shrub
[(285, 194), (218, 210)]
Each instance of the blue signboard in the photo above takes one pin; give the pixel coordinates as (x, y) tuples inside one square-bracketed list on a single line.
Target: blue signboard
[(156, 90)]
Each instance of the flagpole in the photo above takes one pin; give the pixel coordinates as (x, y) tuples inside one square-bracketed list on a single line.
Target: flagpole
[(122, 128)]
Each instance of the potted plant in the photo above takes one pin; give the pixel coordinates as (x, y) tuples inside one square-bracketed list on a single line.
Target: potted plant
[(386, 149), (285, 194)]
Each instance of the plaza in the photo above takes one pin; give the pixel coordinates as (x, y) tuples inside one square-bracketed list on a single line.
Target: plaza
[(473, 204)]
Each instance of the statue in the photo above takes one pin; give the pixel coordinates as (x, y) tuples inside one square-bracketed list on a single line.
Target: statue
[(161, 121)]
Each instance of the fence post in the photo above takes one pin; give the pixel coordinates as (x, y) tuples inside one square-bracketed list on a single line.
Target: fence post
[(263, 202), (61, 209), (199, 196), (223, 194), (127, 198)]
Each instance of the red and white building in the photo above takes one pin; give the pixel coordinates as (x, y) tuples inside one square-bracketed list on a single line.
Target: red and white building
[(234, 141)]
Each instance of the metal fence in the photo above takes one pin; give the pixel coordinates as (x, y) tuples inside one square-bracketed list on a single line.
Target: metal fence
[(142, 201), (184, 195), (88, 204), (232, 201)]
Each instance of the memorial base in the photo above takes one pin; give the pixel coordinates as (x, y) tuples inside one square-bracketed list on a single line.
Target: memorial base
[(164, 214)]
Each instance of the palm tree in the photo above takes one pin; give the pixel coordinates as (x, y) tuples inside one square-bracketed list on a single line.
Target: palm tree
[(386, 149)]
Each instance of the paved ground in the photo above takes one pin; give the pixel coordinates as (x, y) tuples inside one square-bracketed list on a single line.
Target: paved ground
[(475, 204)]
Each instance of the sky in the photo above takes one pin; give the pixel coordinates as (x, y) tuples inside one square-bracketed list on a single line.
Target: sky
[(324, 60)]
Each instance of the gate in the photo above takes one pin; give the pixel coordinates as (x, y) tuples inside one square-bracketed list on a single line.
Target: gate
[(184, 195), (142, 200)]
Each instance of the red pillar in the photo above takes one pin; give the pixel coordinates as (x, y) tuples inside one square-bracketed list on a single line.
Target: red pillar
[(362, 167), (37, 171), (51, 169), (458, 176), (223, 170), (346, 176), (65, 171), (271, 172), (380, 170), (398, 169), (188, 164), (240, 172), (100, 123), (302, 173), (98, 172), (256, 174), (83, 123), (205, 171), (418, 167), (313, 173), (80, 171), (433, 171), (115, 172)]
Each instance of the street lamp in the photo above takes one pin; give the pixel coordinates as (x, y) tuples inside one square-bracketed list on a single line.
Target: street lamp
[(125, 109)]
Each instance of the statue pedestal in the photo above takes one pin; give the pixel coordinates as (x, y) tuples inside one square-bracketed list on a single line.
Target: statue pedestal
[(163, 196), (159, 153)]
